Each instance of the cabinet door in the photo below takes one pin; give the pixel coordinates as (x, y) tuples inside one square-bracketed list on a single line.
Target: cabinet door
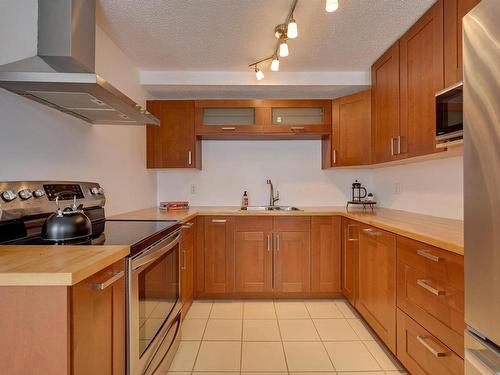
[(253, 254), (421, 76), (292, 254), (350, 247), (221, 118), (98, 323), (218, 254), (377, 282), (325, 254), (298, 116), (454, 11), (173, 144), (351, 129), (187, 262), (385, 105)]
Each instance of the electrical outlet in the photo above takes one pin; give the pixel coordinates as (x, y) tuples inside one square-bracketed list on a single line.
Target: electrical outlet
[(397, 188), (193, 189)]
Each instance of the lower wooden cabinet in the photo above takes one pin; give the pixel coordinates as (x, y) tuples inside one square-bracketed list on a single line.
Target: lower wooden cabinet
[(377, 282), (350, 249), (422, 353), (325, 254), (98, 324), (253, 254), (218, 255)]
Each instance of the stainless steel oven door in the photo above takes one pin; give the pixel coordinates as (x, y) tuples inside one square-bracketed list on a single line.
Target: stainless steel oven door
[(153, 306)]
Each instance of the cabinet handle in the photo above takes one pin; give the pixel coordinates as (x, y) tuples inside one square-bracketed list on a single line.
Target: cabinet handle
[(187, 226), (183, 267), (392, 146), (426, 254), (277, 243), (349, 238), (219, 220), (268, 242), (372, 232), (399, 144), (228, 128), (423, 284), (435, 353), (190, 158), (117, 275), (334, 156), (297, 128)]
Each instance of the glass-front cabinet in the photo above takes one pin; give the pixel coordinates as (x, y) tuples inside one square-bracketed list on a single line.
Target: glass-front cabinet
[(299, 116), (228, 116)]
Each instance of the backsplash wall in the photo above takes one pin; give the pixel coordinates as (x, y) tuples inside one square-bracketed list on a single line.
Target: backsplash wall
[(230, 167)]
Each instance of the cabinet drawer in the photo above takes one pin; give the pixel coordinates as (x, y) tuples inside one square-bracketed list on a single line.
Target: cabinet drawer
[(442, 264), (422, 353), (292, 224), (433, 303), (187, 232)]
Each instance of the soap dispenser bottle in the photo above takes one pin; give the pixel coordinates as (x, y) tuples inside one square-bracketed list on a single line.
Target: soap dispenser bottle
[(244, 200)]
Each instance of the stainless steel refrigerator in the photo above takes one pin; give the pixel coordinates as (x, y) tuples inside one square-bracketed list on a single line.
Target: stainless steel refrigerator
[(481, 54)]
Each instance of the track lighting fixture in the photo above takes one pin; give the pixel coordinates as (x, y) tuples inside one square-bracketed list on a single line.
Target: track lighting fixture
[(258, 73), (283, 32), (275, 64), (331, 5)]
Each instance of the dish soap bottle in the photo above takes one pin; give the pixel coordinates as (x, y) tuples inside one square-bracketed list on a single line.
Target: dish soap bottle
[(244, 201)]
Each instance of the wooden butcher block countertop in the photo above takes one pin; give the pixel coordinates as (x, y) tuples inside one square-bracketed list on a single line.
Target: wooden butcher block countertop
[(444, 233), (41, 265)]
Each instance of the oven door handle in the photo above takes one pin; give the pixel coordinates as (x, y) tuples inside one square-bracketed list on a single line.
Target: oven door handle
[(157, 250)]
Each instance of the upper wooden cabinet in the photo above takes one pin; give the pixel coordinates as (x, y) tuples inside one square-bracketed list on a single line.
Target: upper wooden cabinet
[(386, 131), (421, 76), (220, 117), (351, 129), (454, 11), (173, 144), (325, 254), (377, 282)]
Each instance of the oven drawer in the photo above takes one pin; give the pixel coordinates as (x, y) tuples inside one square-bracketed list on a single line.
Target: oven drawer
[(442, 264), (421, 352)]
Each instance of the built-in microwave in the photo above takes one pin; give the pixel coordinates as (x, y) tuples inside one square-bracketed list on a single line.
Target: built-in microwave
[(449, 113)]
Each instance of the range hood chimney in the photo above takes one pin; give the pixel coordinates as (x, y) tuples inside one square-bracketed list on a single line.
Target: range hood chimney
[(62, 75)]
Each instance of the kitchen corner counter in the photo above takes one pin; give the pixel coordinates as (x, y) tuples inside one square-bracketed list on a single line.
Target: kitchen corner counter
[(444, 233), (39, 265)]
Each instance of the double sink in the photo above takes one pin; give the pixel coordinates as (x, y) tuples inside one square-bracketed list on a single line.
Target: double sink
[(270, 208)]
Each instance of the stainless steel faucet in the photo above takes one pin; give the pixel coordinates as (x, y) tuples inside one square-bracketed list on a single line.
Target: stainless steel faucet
[(272, 198)]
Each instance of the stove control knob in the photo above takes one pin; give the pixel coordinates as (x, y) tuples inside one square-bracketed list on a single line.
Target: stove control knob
[(9, 195), (101, 191), (94, 190), (38, 193), (25, 194)]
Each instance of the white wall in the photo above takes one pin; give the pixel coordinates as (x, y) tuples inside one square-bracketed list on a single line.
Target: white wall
[(432, 187), (229, 167), (39, 143)]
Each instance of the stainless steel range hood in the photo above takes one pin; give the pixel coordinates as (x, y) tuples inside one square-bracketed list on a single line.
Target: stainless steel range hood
[(62, 75)]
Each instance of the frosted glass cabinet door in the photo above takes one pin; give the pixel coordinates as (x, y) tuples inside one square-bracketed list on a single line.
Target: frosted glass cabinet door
[(300, 116), (228, 116)]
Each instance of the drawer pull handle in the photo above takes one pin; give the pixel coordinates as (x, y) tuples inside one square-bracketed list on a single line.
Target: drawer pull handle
[(117, 275), (435, 353), (423, 284), (268, 242), (219, 220), (372, 232), (187, 226), (297, 128), (228, 128), (426, 254), (183, 266)]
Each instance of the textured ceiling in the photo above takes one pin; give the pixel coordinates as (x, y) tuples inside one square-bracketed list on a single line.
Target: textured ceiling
[(227, 35)]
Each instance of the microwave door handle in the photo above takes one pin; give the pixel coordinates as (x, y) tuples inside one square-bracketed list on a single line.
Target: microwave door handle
[(156, 252)]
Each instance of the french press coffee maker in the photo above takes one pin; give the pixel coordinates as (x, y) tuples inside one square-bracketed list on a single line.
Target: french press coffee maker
[(358, 192)]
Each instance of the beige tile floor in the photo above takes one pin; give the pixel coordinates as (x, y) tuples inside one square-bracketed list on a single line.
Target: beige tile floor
[(279, 337)]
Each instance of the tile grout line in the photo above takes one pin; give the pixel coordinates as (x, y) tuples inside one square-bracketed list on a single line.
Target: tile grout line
[(202, 336), (321, 340), (241, 342), (281, 338)]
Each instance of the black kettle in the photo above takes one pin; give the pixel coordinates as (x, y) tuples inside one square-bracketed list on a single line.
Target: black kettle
[(70, 224)]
